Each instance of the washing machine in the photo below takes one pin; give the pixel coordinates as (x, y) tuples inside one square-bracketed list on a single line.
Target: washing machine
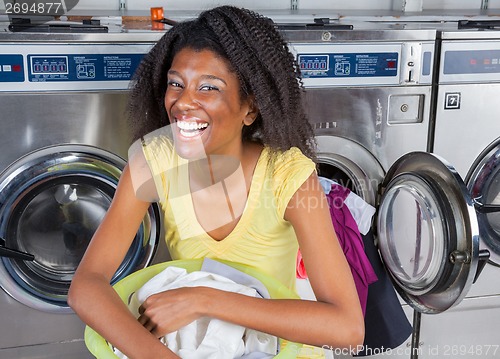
[(63, 146), (369, 96), (368, 90), (467, 134)]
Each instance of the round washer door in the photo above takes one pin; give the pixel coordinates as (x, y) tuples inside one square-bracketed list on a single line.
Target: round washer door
[(51, 202), (428, 232), (483, 182), (349, 164)]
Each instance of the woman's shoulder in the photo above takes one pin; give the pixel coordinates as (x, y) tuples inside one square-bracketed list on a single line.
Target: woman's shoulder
[(283, 159), (287, 171), (158, 140), (159, 151), (288, 164)]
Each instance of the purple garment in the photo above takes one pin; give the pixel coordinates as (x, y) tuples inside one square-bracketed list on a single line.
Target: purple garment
[(351, 242)]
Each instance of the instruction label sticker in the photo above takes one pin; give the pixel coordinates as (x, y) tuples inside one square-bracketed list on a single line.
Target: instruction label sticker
[(86, 67)]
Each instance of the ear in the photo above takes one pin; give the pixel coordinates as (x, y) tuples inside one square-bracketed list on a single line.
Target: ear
[(252, 113)]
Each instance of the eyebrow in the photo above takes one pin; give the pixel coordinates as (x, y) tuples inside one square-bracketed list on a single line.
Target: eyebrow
[(207, 76)]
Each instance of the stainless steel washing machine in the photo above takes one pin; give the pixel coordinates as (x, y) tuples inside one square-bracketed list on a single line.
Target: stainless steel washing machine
[(467, 134), (63, 145), (369, 95)]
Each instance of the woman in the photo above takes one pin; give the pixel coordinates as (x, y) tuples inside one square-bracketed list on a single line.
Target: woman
[(241, 148)]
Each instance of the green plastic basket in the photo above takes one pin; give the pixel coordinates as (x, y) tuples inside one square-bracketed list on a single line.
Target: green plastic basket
[(101, 349)]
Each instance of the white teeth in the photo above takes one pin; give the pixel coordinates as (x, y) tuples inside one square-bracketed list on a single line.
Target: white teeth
[(191, 126), (189, 134)]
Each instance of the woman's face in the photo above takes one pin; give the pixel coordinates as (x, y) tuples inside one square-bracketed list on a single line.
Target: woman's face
[(204, 105)]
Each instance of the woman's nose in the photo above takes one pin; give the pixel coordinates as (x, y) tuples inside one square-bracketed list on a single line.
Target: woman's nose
[(186, 100)]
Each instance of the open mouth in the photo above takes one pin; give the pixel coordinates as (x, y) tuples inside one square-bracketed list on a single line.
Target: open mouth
[(191, 129)]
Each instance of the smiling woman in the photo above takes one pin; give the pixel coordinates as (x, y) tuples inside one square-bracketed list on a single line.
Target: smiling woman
[(223, 145), (203, 100)]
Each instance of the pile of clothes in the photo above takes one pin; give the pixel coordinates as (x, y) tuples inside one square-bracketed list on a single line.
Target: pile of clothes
[(209, 338), (386, 325)]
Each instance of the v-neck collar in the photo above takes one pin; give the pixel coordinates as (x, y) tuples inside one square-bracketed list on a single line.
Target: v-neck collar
[(255, 188)]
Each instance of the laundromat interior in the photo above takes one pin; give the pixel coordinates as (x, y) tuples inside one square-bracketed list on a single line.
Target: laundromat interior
[(403, 97)]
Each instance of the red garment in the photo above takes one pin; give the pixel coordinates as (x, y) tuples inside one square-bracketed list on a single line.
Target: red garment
[(351, 242)]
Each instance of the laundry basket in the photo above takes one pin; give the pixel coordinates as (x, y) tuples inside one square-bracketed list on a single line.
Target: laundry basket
[(101, 349)]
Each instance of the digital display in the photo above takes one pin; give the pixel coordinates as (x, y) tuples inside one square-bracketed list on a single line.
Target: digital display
[(314, 63), (49, 65)]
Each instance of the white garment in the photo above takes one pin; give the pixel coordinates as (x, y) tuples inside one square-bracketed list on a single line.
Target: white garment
[(206, 338), (361, 211), (237, 276)]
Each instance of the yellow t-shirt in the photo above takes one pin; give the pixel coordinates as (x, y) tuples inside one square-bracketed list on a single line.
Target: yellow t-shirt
[(261, 238)]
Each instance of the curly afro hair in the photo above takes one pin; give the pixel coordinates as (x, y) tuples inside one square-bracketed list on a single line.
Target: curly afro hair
[(260, 58)]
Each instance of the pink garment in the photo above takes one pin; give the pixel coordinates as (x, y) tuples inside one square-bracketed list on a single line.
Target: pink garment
[(351, 242)]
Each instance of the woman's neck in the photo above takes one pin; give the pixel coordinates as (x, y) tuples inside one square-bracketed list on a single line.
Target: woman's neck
[(215, 168)]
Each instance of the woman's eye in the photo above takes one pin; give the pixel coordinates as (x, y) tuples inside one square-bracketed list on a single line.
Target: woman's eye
[(209, 88), (172, 83)]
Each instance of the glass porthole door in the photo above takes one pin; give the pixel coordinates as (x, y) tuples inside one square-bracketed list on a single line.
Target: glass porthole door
[(51, 202), (484, 184), (428, 232)]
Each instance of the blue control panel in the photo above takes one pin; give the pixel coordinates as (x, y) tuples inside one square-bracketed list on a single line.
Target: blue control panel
[(82, 67), (11, 68), (471, 62), (344, 65)]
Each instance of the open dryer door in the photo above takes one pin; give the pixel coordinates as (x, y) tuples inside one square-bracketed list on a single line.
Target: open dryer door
[(428, 232)]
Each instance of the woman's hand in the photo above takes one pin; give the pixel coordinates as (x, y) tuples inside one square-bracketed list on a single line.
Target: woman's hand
[(168, 311)]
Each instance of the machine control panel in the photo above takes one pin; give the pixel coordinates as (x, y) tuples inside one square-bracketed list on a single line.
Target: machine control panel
[(470, 61), (82, 67), (53, 67), (349, 65), (365, 64)]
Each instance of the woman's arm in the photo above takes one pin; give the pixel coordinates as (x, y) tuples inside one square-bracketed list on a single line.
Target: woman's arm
[(327, 268), (335, 320), (91, 295)]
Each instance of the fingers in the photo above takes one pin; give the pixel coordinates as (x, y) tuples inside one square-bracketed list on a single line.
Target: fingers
[(147, 318), (143, 319), (149, 302), (163, 312), (149, 325)]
